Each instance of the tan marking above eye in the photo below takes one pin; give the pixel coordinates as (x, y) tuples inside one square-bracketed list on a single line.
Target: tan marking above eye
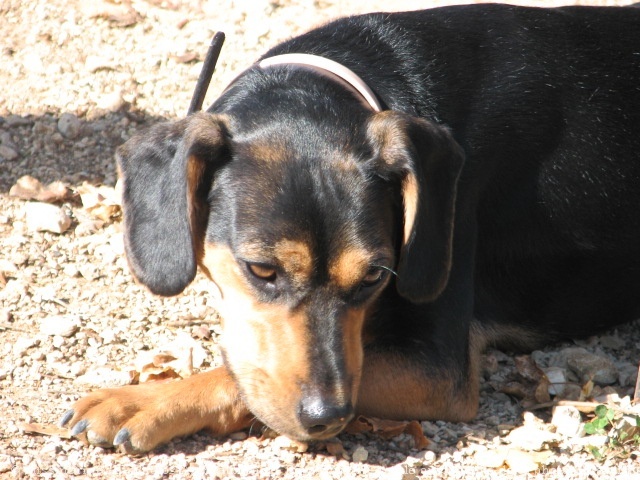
[(350, 267), (296, 258)]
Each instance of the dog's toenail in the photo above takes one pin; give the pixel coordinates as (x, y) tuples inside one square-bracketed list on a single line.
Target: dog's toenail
[(68, 415), (79, 427), (122, 436)]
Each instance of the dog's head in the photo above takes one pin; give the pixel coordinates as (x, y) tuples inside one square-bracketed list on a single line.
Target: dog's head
[(302, 209)]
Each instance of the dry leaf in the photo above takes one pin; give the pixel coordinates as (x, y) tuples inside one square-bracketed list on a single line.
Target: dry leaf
[(100, 202), (163, 366), (335, 448), (359, 424), (186, 57), (586, 390), (527, 368), (415, 430), (285, 443), (29, 188), (531, 384), (388, 429), (525, 462), (175, 360), (44, 429), (490, 458), (517, 460), (531, 437), (383, 428)]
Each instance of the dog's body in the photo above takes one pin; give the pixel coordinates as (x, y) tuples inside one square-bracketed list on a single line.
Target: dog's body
[(500, 186)]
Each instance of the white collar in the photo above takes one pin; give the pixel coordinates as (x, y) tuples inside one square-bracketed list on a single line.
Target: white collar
[(330, 68)]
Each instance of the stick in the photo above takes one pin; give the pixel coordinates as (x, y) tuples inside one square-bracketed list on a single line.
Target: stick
[(206, 73)]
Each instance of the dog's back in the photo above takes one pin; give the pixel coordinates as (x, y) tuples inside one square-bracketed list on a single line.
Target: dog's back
[(546, 105)]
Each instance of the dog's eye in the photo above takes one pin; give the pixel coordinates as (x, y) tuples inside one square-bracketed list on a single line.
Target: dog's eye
[(263, 272), (373, 277)]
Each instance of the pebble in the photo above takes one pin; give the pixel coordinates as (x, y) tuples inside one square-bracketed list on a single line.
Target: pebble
[(5, 463), (23, 344), (89, 271), (43, 217), (103, 377), (8, 153), (627, 375), (69, 126), (557, 380), (62, 325), (530, 437), (589, 366), (360, 454), (33, 63), (58, 341), (17, 121), (568, 421)]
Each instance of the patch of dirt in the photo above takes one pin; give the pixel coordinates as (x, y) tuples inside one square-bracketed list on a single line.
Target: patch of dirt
[(79, 78)]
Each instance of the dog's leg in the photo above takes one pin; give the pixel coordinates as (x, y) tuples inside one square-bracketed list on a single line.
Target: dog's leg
[(423, 362), (401, 384), (141, 417)]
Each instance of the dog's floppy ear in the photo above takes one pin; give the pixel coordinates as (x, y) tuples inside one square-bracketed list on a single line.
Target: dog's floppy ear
[(166, 175), (427, 161)]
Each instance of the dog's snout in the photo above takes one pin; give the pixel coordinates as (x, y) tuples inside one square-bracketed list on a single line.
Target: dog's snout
[(322, 417)]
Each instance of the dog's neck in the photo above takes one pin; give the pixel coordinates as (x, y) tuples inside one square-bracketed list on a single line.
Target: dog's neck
[(329, 68)]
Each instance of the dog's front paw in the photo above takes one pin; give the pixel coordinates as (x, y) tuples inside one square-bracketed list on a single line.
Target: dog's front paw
[(128, 417), (138, 418)]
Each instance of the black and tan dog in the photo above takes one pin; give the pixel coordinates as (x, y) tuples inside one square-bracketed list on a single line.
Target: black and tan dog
[(368, 246)]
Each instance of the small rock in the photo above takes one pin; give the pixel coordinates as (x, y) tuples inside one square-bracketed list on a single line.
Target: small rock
[(557, 380), (58, 341), (5, 463), (8, 153), (70, 271), (110, 101), (62, 325), (489, 458), (89, 271), (360, 454), (69, 126), (94, 63), (613, 342), (589, 366), (17, 121), (43, 217), (103, 377), (23, 344), (5, 316), (33, 63), (8, 267), (426, 456), (108, 335), (568, 421), (530, 438), (628, 374), (88, 227), (490, 365)]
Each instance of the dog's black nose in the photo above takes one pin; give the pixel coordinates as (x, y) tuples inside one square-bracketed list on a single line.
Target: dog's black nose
[(323, 418)]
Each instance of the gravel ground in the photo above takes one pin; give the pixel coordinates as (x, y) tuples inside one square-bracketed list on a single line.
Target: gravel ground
[(80, 78)]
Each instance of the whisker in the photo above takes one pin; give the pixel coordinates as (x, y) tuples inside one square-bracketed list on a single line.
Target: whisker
[(387, 269)]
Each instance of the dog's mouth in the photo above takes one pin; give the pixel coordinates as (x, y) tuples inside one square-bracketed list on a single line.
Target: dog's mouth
[(284, 410)]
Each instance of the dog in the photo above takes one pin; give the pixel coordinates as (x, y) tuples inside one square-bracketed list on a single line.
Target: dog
[(377, 201)]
